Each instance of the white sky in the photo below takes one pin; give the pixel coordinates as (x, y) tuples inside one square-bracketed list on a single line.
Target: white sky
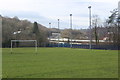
[(45, 11)]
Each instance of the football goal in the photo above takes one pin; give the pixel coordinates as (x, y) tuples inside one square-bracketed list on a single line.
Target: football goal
[(15, 41)]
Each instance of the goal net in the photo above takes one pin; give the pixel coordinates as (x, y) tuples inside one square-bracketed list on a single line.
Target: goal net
[(16, 41)]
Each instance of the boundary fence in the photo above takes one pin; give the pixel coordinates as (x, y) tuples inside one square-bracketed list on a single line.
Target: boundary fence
[(104, 47)]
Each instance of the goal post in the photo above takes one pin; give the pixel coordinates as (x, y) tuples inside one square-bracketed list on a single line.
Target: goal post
[(24, 41)]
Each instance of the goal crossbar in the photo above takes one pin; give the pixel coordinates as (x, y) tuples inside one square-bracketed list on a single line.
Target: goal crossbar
[(24, 41)]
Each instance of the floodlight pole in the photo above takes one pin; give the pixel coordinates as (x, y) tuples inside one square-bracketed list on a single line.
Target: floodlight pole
[(49, 32), (58, 32), (71, 29), (90, 45)]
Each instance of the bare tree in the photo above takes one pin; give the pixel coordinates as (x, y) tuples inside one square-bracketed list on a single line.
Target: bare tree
[(95, 24)]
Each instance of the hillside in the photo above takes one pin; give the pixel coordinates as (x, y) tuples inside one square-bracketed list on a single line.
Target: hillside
[(11, 25)]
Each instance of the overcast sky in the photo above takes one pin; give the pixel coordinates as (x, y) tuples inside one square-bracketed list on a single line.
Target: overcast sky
[(45, 11)]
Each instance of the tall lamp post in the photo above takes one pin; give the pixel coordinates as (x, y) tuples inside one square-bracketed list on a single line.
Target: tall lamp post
[(58, 32), (71, 30), (49, 32), (90, 45)]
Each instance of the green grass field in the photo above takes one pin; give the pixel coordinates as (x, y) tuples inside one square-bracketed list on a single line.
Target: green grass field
[(60, 63)]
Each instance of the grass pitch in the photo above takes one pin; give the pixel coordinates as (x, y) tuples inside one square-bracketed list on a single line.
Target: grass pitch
[(59, 63)]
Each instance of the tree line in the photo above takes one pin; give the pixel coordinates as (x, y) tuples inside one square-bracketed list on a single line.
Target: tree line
[(29, 31)]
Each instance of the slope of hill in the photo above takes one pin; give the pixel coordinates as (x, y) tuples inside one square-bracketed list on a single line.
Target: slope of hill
[(11, 25)]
